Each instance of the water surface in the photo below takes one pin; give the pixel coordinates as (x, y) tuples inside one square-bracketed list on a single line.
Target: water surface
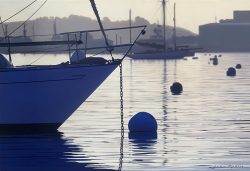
[(204, 128)]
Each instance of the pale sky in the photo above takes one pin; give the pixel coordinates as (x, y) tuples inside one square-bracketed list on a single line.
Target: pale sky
[(190, 13)]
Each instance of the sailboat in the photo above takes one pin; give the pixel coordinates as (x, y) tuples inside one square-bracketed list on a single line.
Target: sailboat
[(42, 97), (161, 51)]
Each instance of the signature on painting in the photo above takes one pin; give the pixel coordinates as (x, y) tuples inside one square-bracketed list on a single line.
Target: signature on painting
[(223, 166)]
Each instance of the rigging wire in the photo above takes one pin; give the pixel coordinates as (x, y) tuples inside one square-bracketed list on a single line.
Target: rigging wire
[(141, 33), (46, 51), (156, 13), (101, 26), (26, 19), (18, 12), (170, 17), (97, 53)]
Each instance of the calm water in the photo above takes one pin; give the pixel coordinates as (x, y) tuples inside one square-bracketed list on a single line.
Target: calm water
[(207, 127)]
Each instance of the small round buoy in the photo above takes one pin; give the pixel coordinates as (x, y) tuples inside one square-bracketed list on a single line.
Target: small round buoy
[(176, 88), (238, 66), (142, 122), (231, 71), (215, 61)]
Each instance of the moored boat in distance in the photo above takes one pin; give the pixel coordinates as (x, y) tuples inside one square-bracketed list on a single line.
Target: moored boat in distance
[(159, 55), (159, 45)]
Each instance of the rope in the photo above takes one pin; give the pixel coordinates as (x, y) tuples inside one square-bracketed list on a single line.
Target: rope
[(101, 27), (122, 121), (46, 51), (98, 53), (141, 33), (18, 12)]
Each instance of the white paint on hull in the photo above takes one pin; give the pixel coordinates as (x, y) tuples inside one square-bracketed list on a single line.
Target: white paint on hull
[(47, 94)]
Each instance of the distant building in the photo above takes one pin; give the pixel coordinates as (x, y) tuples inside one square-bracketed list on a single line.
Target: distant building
[(228, 35), (242, 16)]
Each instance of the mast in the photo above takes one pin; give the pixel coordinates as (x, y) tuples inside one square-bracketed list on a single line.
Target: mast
[(174, 26), (54, 27), (116, 39), (24, 30), (33, 30), (164, 23), (6, 30), (130, 25), (2, 26)]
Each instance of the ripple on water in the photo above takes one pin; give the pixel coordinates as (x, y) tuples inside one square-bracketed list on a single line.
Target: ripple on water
[(204, 128)]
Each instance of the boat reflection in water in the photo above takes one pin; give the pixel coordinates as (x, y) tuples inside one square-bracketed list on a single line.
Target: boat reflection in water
[(41, 152)]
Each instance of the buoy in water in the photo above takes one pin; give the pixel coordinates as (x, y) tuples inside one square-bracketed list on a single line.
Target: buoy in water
[(231, 71), (215, 60), (142, 122), (238, 66), (176, 88)]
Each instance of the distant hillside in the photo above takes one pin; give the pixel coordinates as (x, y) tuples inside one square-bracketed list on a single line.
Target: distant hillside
[(45, 26)]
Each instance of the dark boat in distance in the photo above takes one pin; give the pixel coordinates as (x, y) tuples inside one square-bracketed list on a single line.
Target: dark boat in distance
[(157, 44)]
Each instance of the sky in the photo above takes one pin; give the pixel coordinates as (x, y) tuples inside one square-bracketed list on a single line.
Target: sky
[(189, 13)]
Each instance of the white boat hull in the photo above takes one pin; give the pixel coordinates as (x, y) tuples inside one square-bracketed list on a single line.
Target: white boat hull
[(159, 55), (46, 96)]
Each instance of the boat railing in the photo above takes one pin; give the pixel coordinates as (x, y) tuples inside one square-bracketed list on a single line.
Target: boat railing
[(88, 41)]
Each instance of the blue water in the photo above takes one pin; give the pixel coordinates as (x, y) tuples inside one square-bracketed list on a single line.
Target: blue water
[(207, 127)]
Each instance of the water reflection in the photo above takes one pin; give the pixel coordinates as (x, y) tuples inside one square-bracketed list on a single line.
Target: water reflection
[(205, 128), (143, 145), (164, 108), (40, 152), (143, 140)]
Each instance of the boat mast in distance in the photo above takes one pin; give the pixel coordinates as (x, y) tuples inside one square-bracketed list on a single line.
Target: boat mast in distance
[(130, 25), (174, 36), (24, 30), (164, 23)]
